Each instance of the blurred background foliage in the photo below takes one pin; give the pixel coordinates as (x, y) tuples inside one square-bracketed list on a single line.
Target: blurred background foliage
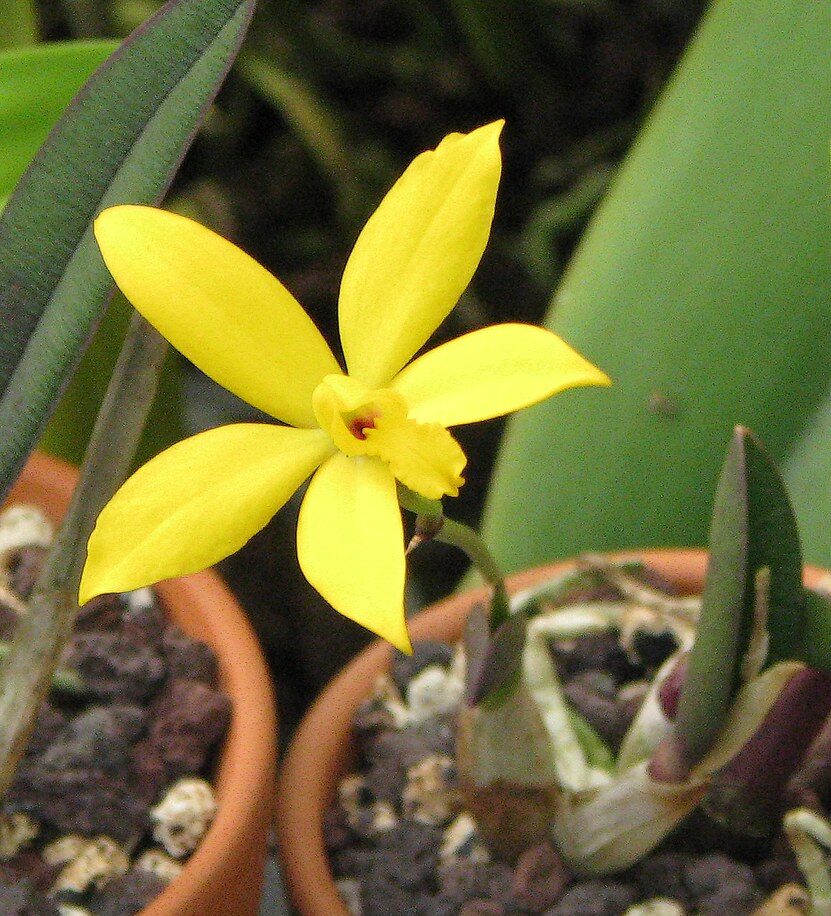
[(328, 102)]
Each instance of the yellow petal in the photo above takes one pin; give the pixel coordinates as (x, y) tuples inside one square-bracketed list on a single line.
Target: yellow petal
[(491, 372), (350, 543), (423, 456), (219, 307), (417, 253), (197, 502)]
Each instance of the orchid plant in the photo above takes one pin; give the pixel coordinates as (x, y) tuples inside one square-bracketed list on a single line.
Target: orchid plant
[(372, 436), (750, 672)]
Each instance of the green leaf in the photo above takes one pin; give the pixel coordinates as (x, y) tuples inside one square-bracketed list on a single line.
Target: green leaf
[(701, 287), (816, 650), (807, 472), (753, 528), (120, 141), (36, 85)]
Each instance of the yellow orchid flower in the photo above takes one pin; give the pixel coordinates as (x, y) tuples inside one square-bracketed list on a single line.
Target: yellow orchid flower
[(358, 432)]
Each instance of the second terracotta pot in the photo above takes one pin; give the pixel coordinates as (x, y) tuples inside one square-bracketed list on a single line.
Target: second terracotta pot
[(224, 876), (323, 751)]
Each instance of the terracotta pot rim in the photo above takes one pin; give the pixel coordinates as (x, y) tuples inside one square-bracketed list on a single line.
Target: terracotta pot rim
[(246, 767), (321, 749)]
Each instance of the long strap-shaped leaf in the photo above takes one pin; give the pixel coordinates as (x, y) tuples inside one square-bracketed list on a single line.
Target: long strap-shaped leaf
[(702, 288), (120, 141)]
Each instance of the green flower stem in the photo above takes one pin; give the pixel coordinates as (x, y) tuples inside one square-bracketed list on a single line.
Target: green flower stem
[(432, 523), (466, 539), (42, 634)]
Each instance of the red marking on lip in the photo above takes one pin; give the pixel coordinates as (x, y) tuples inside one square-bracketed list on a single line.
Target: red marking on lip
[(360, 425)]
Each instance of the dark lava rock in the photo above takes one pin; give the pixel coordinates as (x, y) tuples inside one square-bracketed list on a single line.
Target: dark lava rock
[(662, 875), (394, 752), (601, 652), (412, 838), (144, 622), (48, 726), (408, 746), (24, 569), (772, 873), (28, 864), (336, 832), (380, 896), (385, 781), (187, 658), (352, 861), (21, 899), (425, 654), (482, 908), (653, 649), (540, 877), (101, 613), (736, 899), (594, 898), (81, 800), (127, 894), (190, 717), (114, 667), (713, 873), (149, 771), (465, 880), (101, 737), (602, 713), (439, 905)]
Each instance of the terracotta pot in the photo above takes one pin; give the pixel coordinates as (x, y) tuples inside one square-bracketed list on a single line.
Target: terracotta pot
[(224, 876), (322, 750)]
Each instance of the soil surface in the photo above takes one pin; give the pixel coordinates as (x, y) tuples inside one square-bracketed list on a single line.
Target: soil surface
[(139, 713), (401, 842)]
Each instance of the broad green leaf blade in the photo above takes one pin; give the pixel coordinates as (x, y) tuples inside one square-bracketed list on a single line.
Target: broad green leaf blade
[(807, 473), (120, 141), (753, 528), (701, 288), (36, 85)]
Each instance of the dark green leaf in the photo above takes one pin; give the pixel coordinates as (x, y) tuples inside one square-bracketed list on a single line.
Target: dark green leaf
[(120, 141), (19, 23), (816, 650), (753, 528)]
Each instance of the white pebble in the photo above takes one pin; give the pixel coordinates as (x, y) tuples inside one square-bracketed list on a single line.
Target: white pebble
[(183, 815), (64, 849), (461, 841), (16, 831), (350, 893), (141, 599), (433, 691), (658, 906), (70, 909), (23, 526), (427, 796), (101, 860), (160, 864)]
